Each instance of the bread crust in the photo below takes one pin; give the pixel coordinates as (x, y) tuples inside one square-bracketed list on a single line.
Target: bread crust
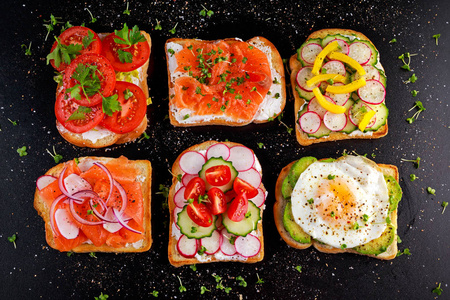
[(280, 204), (175, 258), (44, 210), (77, 139), (295, 66), (277, 63)]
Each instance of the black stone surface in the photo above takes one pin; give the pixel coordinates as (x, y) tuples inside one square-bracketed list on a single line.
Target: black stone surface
[(34, 270)]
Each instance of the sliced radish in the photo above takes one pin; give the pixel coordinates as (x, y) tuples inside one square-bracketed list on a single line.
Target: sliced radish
[(334, 67), (212, 243), (187, 247), (335, 122), (314, 106), (66, 225), (187, 177), (44, 180), (303, 75), (310, 52), (342, 44), (252, 177), (226, 247), (356, 113), (339, 99), (260, 198), (247, 246), (178, 199), (74, 183), (242, 158), (111, 227), (176, 210), (360, 52), (310, 122), (373, 92), (218, 150), (191, 162), (371, 73)]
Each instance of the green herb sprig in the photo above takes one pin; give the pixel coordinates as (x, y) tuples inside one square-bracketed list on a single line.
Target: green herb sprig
[(56, 157), (12, 239), (415, 161), (27, 49), (406, 65), (101, 297), (436, 37)]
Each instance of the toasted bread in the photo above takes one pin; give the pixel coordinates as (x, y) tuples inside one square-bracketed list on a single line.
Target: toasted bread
[(280, 204), (145, 172), (264, 112), (175, 258), (92, 138), (295, 65)]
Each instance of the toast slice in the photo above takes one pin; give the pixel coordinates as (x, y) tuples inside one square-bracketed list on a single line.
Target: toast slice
[(175, 258), (295, 65), (100, 137), (144, 170), (280, 204), (271, 106)]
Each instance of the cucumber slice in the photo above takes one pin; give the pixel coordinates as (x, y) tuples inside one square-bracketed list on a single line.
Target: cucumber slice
[(374, 57), (295, 231), (350, 127), (218, 161), (323, 131), (329, 38), (286, 188), (298, 167), (192, 230), (304, 94), (378, 245), (247, 225), (395, 192), (299, 50), (382, 113)]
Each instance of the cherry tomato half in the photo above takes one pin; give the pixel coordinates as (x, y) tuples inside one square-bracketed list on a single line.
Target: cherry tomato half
[(194, 189), (242, 186), (218, 175), (133, 109), (199, 214), (217, 202), (238, 208), (75, 35), (105, 73)]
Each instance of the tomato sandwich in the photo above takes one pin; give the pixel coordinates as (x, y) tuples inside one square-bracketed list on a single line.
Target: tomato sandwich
[(216, 204)]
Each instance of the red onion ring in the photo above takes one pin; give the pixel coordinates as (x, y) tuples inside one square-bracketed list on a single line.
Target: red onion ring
[(52, 213), (122, 222), (80, 219), (123, 194), (63, 188), (111, 180)]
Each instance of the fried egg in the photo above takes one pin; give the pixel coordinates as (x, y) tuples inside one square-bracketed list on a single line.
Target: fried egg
[(343, 203)]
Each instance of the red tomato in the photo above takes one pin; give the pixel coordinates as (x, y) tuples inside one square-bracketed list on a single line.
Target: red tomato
[(133, 109), (217, 203), (218, 175), (64, 108), (75, 35), (230, 195), (199, 214), (105, 73), (194, 189), (241, 186), (139, 51), (238, 208)]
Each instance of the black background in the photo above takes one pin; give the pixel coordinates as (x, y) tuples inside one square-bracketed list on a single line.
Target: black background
[(27, 90)]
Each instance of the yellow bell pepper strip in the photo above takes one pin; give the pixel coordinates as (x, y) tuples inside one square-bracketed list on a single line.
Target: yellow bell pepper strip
[(348, 60), (348, 88), (336, 109), (325, 77), (366, 120), (321, 56)]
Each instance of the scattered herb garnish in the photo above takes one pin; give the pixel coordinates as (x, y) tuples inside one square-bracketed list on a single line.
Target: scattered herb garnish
[(436, 37), (399, 240), (27, 49), (128, 38), (405, 251), (203, 289), (202, 250), (406, 66), (173, 30), (111, 105), (186, 117), (144, 136), (413, 177), (411, 79), (299, 268), (80, 113), (332, 214), (13, 122), (260, 145), (260, 281), (394, 40), (242, 281), (51, 26), (420, 108), (343, 246), (67, 52), (69, 254), (127, 11), (331, 177), (182, 288), (92, 254), (365, 218), (438, 290), (248, 214), (355, 226), (155, 293), (444, 205), (22, 151), (127, 94), (56, 157), (93, 20), (415, 161), (158, 25), (12, 239), (431, 191), (101, 297), (310, 201), (171, 51), (220, 286), (205, 12), (164, 190), (217, 277), (193, 267), (414, 93)]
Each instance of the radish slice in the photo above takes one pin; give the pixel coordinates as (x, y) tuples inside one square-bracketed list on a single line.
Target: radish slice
[(66, 225), (212, 243), (371, 73), (303, 75), (310, 122), (242, 158), (219, 224), (335, 122), (357, 117), (74, 183), (111, 227), (259, 199), (360, 52), (252, 177), (187, 247), (176, 210), (373, 92), (334, 67), (187, 177), (43, 181), (218, 150), (339, 99), (191, 162), (178, 199), (314, 106), (342, 44), (52, 213), (310, 52), (247, 246), (226, 247)]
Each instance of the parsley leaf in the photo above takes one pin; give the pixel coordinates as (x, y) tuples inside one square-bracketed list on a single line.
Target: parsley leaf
[(110, 104), (80, 113), (22, 151), (64, 53)]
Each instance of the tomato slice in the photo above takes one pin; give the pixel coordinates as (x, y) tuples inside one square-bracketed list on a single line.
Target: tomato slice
[(140, 53), (241, 186), (199, 214), (133, 109), (218, 175), (194, 189), (105, 73), (75, 35), (217, 202), (238, 208), (64, 108)]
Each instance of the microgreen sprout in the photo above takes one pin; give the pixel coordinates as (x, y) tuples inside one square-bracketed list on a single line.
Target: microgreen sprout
[(203, 289), (431, 191), (51, 24), (173, 30), (127, 11), (242, 281), (436, 37), (13, 122), (158, 25), (414, 93), (413, 177), (22, 151), (394, 40), (415, 161), (444, 205), (205, 12), (405, 251), (411, 79), (27, 49), (93, 20), (102, 297), (155, 293), (407, 55), (92, 254), (420, 108), (260, 281), (299, 268), (438, 290), (182, 288), (12, 239), (56, 157)]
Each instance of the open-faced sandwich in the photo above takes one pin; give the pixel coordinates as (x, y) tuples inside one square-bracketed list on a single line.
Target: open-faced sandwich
[(339, 87), (343, 205), (216, 203), (96, 204), (224, 82), (102, 92)]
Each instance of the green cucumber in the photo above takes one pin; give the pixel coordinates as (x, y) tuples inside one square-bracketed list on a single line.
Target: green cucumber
[(218, 161), (323, 131), (349, 128), (382, 113), (247, 225), (299, 50), (298, 167), (329, 38), (295, 231), (304, 94), (192, 230)]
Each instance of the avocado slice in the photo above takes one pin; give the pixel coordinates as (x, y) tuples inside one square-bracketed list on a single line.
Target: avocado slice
[(295, 231), (378, 245), (395, 192), (286, 188), (298, 167)]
